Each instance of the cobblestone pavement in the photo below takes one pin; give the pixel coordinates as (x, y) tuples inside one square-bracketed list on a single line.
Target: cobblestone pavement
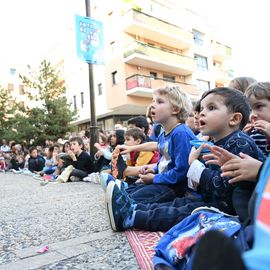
[(69, 218)]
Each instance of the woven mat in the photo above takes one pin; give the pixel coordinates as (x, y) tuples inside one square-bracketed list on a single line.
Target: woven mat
[(143, 244)]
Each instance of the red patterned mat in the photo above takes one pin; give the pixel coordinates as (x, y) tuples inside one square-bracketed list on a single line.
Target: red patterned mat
[(143, 244)]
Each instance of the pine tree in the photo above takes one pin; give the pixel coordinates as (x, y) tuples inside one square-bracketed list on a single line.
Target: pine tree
[(51, 118), (7, 109)]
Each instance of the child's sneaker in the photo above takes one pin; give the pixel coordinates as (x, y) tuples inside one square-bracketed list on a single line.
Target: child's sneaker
[(75, 178), (106, 178), (44, 182), (92, 178), (210, 209), (64, 176), (17, 171), (38, 177), (119, 206)]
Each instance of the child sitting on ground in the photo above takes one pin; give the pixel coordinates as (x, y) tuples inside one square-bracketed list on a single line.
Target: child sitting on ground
[(135, 136), (167, 180), (36, 162), (81, 162)]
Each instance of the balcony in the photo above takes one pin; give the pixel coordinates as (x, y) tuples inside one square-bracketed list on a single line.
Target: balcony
[(143, 86), (221, 76), (143, 25), (145, 55), (221, 52)]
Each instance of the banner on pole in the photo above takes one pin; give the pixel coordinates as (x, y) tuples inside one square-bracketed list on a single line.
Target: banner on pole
[(89, 40)]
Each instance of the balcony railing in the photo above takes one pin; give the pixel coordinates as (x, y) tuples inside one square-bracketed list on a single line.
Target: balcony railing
[(222, 76), (141, 85), (221, 52), (178, 62), (154, 26)]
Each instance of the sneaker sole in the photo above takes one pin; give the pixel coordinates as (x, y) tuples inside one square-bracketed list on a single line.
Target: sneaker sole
[(211, 209), (108, 200)]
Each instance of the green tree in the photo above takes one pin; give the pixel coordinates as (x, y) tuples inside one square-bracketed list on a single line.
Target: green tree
[(7, 109), (51, 119)]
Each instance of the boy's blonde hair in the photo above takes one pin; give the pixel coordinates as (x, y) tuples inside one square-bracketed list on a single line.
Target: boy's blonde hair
[(260, 90), (178, 99)]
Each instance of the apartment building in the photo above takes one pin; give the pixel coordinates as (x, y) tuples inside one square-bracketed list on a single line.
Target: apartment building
[(151, 44), (148, 44), (9, 80)]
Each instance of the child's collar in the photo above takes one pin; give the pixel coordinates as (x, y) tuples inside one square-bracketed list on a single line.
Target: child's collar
[(167, 133)]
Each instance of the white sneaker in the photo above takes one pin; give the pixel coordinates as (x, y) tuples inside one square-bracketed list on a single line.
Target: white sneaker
[(92, 178), (63, 177), (75, 178)]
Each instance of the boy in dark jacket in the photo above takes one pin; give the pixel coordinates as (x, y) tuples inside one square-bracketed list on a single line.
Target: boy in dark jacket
[(36, 162)]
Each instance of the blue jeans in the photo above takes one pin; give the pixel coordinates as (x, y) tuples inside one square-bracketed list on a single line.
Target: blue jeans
[(153, 193), (163, 216)]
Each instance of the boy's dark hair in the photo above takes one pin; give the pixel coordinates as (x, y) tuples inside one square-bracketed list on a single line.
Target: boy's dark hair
[(79, 140), (140, 122), (31, 149), (136, 133), (234, 100), (197, 106), (120, 136), (260, 90)]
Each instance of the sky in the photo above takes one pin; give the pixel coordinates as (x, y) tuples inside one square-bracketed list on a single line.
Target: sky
[(29, 28)]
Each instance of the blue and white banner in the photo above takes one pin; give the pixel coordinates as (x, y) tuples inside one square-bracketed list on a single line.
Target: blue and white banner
[(89, 40)]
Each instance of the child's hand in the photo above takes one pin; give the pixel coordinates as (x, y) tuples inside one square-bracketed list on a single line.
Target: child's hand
[(263, 126), (195, 153), (218, 155), (99, 153), (146, 169), (72, 155), (248, 127), (97, 145), (124, 149), (147, 178), (244, 168)]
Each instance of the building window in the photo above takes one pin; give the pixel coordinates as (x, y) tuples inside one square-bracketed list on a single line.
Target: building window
[(169, 78), (10, 87), (202, 63), (114, 77), (228, 50), (198, 37), (100, 89), (82, 99), (112, 45), (21, 89), (203, 85), (11, 103), (153, 75), (75, 102), (12, 71)]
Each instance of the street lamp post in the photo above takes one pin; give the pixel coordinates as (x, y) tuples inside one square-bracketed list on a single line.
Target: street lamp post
[(93, 122)]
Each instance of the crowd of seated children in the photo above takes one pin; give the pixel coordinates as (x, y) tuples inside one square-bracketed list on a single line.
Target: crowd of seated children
[(214, 190)]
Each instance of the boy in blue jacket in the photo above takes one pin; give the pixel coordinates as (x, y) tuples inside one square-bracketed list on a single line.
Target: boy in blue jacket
[(170, 107)]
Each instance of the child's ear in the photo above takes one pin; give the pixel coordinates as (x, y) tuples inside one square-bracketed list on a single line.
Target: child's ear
[(236, 119), (175, 110), (138, 141)]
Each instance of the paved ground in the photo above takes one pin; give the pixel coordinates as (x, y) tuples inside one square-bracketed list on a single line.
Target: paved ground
[(68, 218)]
